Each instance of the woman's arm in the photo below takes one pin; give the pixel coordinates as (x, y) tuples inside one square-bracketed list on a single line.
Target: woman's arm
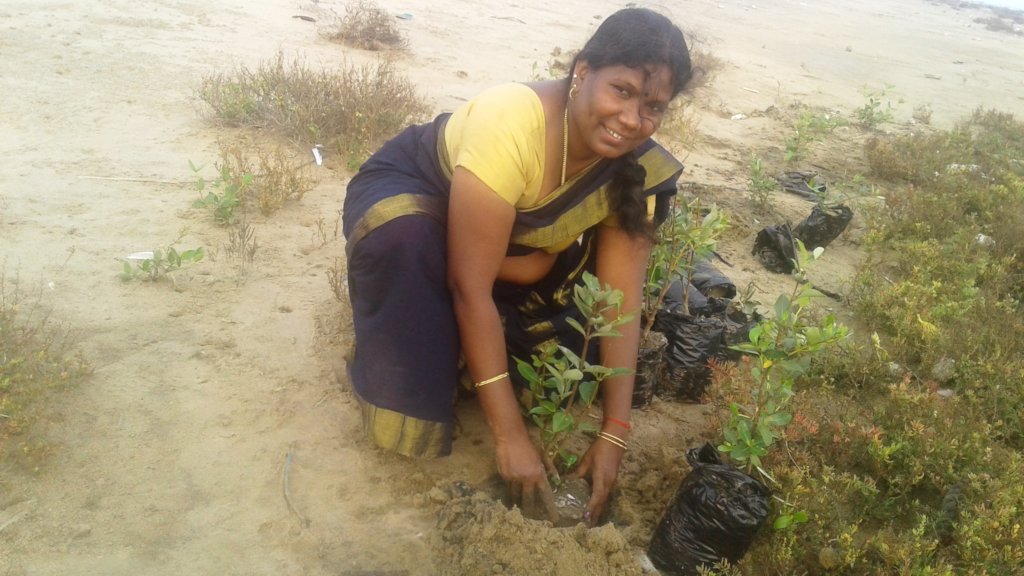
[(622, 263), (479, 228)]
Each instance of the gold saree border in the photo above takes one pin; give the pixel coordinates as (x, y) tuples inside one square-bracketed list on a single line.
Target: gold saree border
[(393, 207), (404, 434), (660, 167)]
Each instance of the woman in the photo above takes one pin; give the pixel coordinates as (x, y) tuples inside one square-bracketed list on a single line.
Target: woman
[(466, 235)]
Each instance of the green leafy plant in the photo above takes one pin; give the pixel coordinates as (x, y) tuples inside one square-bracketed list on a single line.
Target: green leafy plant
[(689, 235), (159, 263), (790, 519), (808, 128), (222, 195), (899, 472), (780, 348), (263, 178), (877, 109), (760, 184), (562, 383)]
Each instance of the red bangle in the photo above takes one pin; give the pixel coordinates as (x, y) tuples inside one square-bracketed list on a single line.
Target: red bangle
[(619, 422)]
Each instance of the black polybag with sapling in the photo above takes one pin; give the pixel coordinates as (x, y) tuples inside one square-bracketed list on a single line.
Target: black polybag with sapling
[(700, 325), (714, 515), (692, 342)]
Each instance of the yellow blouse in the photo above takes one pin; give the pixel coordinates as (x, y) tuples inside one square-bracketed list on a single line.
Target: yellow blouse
[(499, 137)]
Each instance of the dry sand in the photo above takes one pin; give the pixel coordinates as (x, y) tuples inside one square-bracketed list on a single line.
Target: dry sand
[(170, 458)]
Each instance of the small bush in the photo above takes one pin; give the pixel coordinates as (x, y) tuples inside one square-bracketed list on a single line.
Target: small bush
[(680, 126), (922, 114), (350, 111), (36, 360), (809, 127), (877, 108), (275, 177), (705, 64), (367, 26)]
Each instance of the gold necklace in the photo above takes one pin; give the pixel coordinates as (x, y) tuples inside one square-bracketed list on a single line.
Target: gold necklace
[(565, 142)]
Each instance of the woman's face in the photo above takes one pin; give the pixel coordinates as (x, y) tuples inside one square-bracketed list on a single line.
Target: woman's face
[(616, 108)]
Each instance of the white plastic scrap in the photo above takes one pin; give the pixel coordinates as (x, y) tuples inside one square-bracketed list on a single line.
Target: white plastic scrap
[(962, 168)]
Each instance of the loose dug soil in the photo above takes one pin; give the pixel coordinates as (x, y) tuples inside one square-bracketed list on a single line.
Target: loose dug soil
[(477, 535)]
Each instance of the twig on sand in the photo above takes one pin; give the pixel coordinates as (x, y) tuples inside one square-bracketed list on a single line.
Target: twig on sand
[(18, 516), (287, 497), (322, 399), (144, 180), (750, 90), (510, 18), (14, 519)]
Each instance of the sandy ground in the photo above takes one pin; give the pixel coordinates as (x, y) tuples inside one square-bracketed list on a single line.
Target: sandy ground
[(170, 459)]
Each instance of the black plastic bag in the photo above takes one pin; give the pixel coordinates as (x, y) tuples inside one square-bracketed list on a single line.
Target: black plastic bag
[(711, 282), (805, 184), (737, 331), (775, 248), (674, 298), (823, 225), (715, 514), (692, 341), (706, 283), (648, 369)]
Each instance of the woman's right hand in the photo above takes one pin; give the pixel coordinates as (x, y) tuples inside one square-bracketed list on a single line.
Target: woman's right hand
[(521, 466)]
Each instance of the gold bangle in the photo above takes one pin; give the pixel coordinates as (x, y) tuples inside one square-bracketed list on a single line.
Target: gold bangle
[(483, 383), (613, 439)]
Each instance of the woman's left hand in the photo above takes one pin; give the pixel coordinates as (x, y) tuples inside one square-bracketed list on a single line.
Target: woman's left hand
[(601, 465)]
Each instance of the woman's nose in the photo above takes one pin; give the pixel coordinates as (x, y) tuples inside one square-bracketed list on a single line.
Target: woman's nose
[(630, 117)]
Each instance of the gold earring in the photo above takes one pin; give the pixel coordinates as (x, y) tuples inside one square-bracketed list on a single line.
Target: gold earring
[(573, 91)]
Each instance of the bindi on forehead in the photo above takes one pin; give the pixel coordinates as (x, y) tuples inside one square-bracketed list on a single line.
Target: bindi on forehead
[(657, 84)]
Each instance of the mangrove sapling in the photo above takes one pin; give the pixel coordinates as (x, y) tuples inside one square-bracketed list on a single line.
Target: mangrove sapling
[(760, 184), (685, 239), (160, 263), (780, 348), (563, 384), (877, 109), (223, 195)]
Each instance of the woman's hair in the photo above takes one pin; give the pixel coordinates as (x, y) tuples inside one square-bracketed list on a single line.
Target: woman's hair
[(642, 39), (639, 38)]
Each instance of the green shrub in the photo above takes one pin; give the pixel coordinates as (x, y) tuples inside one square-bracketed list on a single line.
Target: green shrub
[(903, 468)]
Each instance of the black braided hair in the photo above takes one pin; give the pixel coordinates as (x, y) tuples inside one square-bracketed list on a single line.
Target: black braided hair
[(627, 197), (638, 38)]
